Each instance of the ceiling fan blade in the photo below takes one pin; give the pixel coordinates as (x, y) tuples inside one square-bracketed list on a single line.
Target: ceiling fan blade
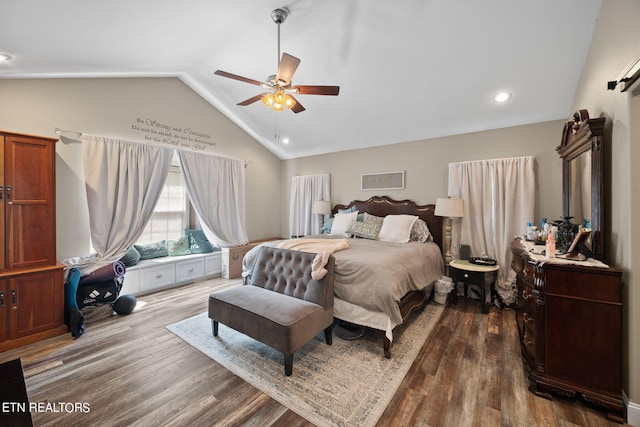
[(237, 77), (288, 66), (297, 107), (250, 100), (317, 90)]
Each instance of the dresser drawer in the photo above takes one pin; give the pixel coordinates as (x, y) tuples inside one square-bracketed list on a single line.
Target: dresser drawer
[(469, 277), (157, 277), (189, 270)]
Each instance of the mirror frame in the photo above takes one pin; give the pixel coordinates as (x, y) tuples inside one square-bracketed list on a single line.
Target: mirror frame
[(579, 136)]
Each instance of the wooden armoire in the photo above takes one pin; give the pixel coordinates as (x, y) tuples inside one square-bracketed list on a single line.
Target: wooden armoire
[(31, 279)]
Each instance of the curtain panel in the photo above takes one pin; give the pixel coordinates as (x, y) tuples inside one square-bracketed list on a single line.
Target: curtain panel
[(304, 190), (499, 197), (123, 180), (216, 188)]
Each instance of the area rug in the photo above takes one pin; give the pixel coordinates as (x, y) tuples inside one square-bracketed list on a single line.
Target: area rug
[(349, 383)]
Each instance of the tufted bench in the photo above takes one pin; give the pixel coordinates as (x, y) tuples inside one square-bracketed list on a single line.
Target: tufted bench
[(281, 306)]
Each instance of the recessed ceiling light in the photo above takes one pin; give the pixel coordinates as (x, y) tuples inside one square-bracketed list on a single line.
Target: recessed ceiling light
[(501, 97), (4, 57), (286, 140)]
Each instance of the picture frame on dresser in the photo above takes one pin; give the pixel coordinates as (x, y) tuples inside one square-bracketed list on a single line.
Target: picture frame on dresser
[(578, 245)]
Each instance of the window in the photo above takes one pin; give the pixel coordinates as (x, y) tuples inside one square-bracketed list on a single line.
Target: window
[(171, 214)]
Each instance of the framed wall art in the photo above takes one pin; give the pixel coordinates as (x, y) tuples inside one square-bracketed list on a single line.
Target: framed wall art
[(382, 181)]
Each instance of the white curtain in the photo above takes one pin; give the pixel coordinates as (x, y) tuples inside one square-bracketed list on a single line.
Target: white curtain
[(499, 198), (215, 187), (304, 190), (123, 181)]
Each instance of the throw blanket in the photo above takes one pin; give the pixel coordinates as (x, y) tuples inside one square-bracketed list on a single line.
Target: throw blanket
[(323, 248)]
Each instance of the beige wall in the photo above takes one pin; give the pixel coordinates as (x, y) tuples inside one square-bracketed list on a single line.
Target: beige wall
[(111, 107), (615, 44), (426, 165)]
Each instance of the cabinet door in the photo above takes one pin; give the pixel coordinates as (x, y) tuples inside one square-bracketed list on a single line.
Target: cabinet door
[(2, 202), (4, 312), (29, 200), (35, 302)]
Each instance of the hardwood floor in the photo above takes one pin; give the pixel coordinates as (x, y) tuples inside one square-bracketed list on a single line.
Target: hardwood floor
[(130, 370)]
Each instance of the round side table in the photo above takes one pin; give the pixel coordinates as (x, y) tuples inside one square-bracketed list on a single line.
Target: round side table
[(473, 275)]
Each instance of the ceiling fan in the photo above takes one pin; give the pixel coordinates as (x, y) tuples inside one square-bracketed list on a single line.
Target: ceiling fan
[(279, 86)]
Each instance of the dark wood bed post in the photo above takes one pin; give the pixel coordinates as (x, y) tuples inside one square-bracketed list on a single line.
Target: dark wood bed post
[(383, 206)]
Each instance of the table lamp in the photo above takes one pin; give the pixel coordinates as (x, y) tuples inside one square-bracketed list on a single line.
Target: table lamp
[(321, 207), (448, 208)]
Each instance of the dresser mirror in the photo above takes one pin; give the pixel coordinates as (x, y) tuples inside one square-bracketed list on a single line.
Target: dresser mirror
[(582, 154)]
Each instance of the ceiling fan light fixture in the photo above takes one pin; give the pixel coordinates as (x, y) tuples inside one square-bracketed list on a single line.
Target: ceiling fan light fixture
[(278, 106), (267, 100), (280, 97), (289, 102)]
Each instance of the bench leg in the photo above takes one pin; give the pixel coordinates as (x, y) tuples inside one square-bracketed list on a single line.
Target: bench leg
[(288, 364), (214, 326), (328, 335)]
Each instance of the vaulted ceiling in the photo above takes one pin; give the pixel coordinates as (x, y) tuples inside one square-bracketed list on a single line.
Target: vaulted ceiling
[(407, 70)]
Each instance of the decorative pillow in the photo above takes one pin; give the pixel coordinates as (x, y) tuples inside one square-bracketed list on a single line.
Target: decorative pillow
[(420, 232), (367, 230), (179, 247), (152, 250), (396, 228), (198, 242), (345, 211), (372, 218), (342, 222), (131, 258), (326, 228)]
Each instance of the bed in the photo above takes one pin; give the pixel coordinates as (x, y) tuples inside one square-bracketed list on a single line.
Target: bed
[(378, 284)]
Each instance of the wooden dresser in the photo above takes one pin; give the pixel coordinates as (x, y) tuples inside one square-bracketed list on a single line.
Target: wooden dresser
[(31, 280), (569, 320)]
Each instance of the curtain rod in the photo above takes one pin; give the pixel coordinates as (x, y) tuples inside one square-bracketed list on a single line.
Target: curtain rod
[(59, 131)]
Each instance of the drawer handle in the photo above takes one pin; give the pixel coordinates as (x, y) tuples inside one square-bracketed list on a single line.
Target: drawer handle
[(526, 295), (527, 318), (1, 298), (527, 342), (466, 276), (190, 270), (158, 276)]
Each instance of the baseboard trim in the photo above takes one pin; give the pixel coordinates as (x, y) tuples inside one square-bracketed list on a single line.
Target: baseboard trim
[(633, 411)]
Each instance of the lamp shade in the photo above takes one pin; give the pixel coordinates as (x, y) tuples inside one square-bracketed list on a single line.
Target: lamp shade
[(321, 207), (449, 207)]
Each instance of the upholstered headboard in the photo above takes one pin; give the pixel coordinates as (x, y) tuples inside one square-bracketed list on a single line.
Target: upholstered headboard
[(384, 205)]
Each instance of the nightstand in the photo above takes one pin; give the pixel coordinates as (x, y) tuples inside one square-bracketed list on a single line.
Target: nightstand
[(473, 275)]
